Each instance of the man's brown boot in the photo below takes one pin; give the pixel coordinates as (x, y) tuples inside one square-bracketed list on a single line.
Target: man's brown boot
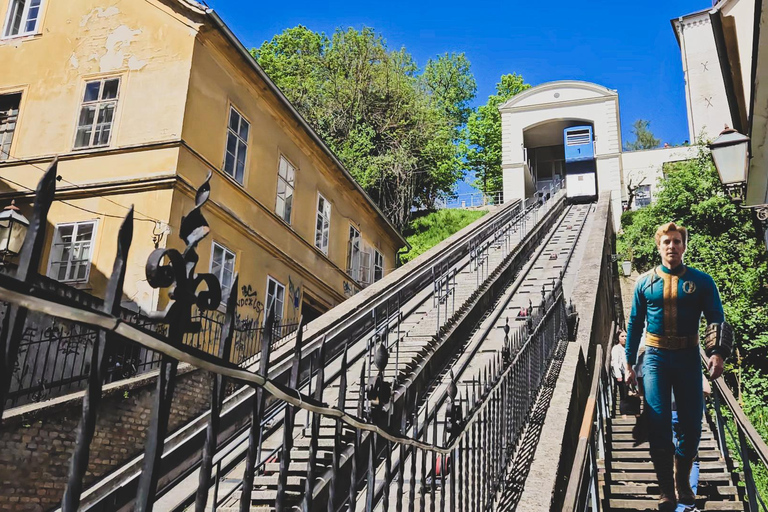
[(663, 463), (685, 494)]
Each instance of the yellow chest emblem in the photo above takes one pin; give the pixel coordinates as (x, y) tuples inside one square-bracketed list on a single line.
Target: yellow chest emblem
[(689, 287)]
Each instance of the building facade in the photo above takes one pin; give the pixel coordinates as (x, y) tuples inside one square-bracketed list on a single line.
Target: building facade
[(141, 100), (700, 36)]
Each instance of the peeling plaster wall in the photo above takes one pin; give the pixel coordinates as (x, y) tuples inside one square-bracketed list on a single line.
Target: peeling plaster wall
[(148, 47)]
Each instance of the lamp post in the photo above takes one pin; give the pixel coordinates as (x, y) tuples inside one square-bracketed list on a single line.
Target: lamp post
[(730, 152), (13, 229)]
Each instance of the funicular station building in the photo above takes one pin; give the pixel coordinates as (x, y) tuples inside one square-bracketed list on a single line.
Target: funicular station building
[(534, 143)]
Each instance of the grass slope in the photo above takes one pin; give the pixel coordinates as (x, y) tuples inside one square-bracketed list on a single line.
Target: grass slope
[(425, 232)]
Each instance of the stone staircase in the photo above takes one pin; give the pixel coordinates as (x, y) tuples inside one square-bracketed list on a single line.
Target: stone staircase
[(628, 481)]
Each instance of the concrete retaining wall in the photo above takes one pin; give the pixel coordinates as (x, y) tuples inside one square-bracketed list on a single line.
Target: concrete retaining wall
[(594, 297)]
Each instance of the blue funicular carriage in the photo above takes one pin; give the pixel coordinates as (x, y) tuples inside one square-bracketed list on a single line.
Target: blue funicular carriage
[(580, 168)]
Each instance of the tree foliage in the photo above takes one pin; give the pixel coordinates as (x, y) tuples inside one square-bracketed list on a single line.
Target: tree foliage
[(644, 139), (484, 135), (396, 129), (724, 243)]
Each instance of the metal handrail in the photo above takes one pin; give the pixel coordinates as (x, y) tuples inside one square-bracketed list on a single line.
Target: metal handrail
[(582, 484), (747, 438), (199, 359)]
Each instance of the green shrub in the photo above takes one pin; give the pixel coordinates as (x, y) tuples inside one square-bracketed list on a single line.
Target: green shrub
[(427, 231)]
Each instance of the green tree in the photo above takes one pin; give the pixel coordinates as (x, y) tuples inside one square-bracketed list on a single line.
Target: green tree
[(452, 87), (484, 134), (395, 129), (722, 242), (644, 139)]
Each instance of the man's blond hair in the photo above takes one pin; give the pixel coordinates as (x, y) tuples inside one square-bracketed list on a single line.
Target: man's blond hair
[(664, 229)]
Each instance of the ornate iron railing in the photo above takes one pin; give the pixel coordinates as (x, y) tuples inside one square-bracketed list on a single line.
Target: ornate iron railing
[(54, 356), (498, 401)]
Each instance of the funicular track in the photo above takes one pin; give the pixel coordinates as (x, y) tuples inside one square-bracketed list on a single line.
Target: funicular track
[(421, 361), (419, 354), (524, 292), (502, 241)]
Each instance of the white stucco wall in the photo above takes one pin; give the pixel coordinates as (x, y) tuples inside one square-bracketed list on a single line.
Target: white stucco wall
[(646, 166), (705, 94)]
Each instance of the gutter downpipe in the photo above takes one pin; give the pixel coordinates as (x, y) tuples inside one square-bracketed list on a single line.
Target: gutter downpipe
[(219, 23)]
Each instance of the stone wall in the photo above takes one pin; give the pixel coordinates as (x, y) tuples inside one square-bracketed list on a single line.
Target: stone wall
[(36, 441)]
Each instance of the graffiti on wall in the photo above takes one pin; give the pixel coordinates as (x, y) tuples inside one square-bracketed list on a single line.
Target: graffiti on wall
[(249, 300), (349, 290)]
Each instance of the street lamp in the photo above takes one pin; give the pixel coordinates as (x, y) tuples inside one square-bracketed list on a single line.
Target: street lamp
[(730, 151), (13, 229)]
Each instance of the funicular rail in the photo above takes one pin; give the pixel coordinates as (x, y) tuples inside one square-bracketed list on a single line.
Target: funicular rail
[(179, 270)]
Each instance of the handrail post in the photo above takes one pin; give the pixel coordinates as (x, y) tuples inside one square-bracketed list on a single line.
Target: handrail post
[(748, 477), (720, 425)]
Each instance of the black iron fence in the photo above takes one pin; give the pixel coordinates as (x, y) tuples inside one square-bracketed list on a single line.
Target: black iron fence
[(733, 425), (54, 355), (465, 456)]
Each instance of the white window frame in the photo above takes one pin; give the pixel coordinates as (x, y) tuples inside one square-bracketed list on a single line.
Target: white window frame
[(99, 104), (24, 19), (220, 275), (365, 266), (53, 262), (354, 253), (288, 185), (378, 264), (240, 144), (270, 297), (324, 229)]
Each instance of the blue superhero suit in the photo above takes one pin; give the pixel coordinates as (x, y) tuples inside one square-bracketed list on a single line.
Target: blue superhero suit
[(668, 304)]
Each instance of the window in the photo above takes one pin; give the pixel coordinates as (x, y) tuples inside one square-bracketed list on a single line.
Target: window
[(9, 113), (237, 145), (642, 196), (378, 265), (94, 127), (23, 18), (71, 252), (276, 296), (323, 226), (223, 267), (365, 267), (353, 253), (286, 174)]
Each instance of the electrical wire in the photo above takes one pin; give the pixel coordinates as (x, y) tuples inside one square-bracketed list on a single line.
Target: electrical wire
[(148, 218)]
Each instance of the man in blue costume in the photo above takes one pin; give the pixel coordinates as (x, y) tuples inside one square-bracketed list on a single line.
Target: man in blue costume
[(672, 298)]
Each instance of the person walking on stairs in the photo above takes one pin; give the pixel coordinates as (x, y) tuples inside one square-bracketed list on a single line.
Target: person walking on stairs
[(668, 303), (618, 363)]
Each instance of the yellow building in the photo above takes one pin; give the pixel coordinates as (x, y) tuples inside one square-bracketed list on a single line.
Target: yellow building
[(140, 99)]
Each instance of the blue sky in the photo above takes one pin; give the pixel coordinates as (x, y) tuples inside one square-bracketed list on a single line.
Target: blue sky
[(627, 46)]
